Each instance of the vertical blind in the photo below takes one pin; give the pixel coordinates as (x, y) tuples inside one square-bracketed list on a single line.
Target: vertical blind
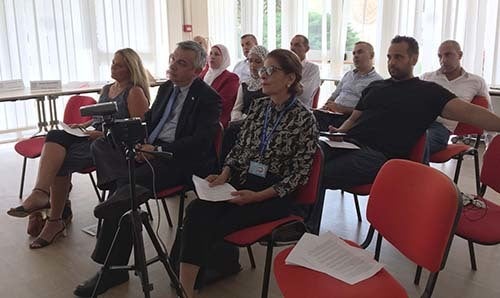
[(74, 40), (474, 24)]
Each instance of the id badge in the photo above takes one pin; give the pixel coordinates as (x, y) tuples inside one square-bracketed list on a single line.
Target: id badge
[(258, 169)]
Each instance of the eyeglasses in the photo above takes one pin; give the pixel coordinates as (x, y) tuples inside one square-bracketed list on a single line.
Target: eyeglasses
[(268, 70), (471, 200), (179, 62)]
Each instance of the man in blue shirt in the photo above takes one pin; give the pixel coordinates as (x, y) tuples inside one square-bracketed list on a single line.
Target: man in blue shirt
[(348, 92)]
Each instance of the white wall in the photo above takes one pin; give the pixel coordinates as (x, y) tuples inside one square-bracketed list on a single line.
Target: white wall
[(180, 12)]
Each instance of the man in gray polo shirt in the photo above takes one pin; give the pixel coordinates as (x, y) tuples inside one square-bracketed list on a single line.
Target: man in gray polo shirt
[(348, 92)]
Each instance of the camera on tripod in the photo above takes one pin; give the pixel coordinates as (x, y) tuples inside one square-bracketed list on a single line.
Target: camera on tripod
[(129, 131)]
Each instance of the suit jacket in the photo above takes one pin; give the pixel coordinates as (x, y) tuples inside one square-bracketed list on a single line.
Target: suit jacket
[(196, 128)]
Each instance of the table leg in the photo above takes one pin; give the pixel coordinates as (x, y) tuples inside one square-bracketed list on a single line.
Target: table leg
[(53, 112), (40, 107)]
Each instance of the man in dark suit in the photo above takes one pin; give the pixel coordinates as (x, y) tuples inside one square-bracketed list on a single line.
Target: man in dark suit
[(183, 120)]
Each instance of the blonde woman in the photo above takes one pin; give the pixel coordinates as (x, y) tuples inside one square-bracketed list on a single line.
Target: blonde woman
[(64, 153)]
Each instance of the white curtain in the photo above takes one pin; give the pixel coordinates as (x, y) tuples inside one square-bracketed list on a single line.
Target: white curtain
[(223, 26), (74, 40), (252, 18), (474, 24), (294, 20), (338, 36)]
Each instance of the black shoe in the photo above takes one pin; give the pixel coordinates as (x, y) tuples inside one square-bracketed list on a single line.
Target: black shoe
[(109, 280), (67, 214), (119, 201)]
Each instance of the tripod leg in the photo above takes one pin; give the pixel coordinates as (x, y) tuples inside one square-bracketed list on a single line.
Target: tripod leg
[(162, 255), (139, 253), (106, 266)]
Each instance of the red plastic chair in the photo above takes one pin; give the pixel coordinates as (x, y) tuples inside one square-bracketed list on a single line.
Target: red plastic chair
[(32, 148), (458, 151), (315, 98), (479, 225), (182, 189), (401, 191), (416, 154), (268, 232)]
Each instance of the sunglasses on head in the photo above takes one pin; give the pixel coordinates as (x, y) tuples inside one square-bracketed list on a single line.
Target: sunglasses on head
[(268, 70)]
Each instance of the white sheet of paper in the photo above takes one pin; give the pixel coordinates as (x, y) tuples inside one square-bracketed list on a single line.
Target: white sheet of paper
[(329, 254), (334, 144), (214, 194), (73, 131)]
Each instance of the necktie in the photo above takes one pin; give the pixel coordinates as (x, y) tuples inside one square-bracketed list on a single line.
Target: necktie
[(168, 109)]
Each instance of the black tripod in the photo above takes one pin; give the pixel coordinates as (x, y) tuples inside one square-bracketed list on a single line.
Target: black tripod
[(139, 218)]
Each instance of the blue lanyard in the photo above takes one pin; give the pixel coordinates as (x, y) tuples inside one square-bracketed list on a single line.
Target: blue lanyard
[(266, 137)]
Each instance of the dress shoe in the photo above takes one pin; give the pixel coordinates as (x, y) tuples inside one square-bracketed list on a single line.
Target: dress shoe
[(108, 280), (119, 202)]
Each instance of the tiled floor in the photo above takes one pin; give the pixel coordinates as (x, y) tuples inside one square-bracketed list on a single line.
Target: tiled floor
[(55, 271)]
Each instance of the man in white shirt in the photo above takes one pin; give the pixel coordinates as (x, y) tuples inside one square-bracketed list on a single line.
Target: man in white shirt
[(242, 68), (348, 92), (453, 77), (310, 71)]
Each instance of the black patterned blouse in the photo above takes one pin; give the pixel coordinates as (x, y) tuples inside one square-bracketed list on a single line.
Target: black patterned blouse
[(290, 150)]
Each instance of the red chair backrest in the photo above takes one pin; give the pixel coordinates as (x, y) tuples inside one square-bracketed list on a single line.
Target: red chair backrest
[(466, 129), (72, 110), (219, 135), (417, 152), (416, 208), (315, 98), (308, 193), (490, 172)]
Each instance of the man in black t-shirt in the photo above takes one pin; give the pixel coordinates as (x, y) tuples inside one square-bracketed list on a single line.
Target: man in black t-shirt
[(391, 116)]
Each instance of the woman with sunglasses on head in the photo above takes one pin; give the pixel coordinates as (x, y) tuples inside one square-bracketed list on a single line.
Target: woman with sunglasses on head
[(63, 153), (272, 157), (223, 81)]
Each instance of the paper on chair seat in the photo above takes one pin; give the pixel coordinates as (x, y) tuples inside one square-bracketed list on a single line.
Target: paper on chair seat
[(213, 194), (331, 255), (335, 144)]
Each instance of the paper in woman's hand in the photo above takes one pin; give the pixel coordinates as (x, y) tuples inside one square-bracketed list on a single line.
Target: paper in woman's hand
[(213, 194)]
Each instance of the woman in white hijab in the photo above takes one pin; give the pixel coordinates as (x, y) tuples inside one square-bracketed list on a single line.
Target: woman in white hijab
[(247, 92), (223, 81), (252, 87)]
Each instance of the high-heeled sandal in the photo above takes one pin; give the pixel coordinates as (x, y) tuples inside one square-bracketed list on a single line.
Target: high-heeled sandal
[(36, 220), (20, 211), (40, 242)]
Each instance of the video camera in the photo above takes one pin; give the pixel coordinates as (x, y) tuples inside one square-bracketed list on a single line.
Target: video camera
[(129, 131)]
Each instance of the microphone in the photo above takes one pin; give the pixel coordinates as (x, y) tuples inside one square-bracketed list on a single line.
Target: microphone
[(99, 109), (160, 154)]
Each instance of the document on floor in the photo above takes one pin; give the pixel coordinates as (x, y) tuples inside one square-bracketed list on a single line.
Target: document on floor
[(213, 194), (335, 144), (78, 132), (331, 255)]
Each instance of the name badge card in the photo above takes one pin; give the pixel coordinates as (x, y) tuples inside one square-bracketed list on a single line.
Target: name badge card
[(46, 85), (11, 85), (258, 169)]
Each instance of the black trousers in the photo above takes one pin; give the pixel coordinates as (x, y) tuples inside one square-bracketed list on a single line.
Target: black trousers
[(326, 119), (112, 170), (345, 168), (206, 223)]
